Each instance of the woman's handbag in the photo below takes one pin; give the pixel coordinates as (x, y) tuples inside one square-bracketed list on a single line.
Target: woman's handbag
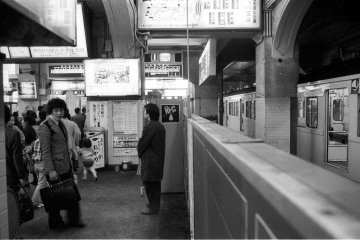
[(60, 195), (26, 206)]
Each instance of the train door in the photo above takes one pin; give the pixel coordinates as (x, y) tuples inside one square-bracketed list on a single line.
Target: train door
[(337, 127), (242, 111)]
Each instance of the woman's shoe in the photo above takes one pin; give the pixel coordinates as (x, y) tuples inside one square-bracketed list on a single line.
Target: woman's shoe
[(83, 178), (95, 179)]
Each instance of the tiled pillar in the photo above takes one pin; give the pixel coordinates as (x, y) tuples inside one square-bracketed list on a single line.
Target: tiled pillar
[(4, 225), (276, 80)]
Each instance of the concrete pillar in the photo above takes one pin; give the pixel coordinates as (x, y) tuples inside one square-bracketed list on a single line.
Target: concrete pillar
[(276, 80), (4, 225)]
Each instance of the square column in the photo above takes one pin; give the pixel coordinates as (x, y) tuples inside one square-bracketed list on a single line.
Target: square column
[(276, 97)]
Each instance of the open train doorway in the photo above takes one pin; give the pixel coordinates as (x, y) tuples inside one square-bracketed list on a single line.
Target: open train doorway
[(337, 127)]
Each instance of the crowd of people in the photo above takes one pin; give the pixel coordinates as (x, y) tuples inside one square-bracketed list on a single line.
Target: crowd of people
[(32, 144), (49, 148)]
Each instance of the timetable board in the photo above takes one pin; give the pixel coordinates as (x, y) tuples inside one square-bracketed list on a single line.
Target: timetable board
[(125, 119)]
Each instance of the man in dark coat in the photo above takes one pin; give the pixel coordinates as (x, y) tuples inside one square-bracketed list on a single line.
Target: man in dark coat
[(79, 119), (15, 173), (151, 150), (55, 154)]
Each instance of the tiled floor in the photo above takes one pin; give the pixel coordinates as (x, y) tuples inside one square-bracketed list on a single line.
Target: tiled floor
[(111, 210)]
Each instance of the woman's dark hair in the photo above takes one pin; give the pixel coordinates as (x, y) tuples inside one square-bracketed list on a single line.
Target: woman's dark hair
[(7, 114), (77, 110), (40, 108), (42, 114), (55, 103), (153, 111), (33, 115), (15, 114), (87, 143), (29, 120)]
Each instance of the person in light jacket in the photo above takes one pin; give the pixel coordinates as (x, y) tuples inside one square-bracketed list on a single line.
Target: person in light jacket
[(151, 150)]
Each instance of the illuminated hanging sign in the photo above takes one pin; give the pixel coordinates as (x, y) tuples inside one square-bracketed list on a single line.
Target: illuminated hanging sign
[(66, 71), (112, 77), (66, 52), (27, 90), (67, 85), (207, 61), (207, 15), (163, 71)]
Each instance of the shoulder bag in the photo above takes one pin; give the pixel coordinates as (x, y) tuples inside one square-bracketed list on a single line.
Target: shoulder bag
[(26, 206), (60, 195)]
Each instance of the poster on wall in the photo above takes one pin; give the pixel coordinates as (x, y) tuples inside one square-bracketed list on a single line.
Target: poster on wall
[(98, 147), (97, 113), (112, 77), (125, 117), (170, 113), (354, 86), (199, 14)]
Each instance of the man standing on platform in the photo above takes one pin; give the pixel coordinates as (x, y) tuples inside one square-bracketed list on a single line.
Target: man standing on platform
[(151, 150), (79, 119), (54, 149)]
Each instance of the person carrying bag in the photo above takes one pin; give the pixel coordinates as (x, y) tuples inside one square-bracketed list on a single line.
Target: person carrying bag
[(57, 167)]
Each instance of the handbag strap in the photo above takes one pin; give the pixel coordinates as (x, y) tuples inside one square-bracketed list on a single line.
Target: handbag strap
[(48, 179)]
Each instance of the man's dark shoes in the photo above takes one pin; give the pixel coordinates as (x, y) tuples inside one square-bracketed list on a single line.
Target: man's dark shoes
[(57, 225), (149, 212)]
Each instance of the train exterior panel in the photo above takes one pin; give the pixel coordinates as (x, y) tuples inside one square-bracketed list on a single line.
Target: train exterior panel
[(239, 114), (328, 124), (328, 132)]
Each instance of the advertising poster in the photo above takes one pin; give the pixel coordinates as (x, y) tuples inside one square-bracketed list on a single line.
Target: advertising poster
[(202, 14), (354, 86), (97, 113), (98, 145), (112, 77), (170, 113)]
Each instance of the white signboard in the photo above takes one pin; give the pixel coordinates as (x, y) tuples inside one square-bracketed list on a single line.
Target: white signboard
[(202, 14), (207, 61), (112, 77), (65, 52), (97, 113)]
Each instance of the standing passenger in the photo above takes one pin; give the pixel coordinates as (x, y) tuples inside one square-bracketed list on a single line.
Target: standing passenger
[(151, 150), (15, 174), (79, 119), (56, 159)]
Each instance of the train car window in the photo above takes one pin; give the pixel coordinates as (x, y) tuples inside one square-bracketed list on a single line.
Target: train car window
[(234, 109), (312, 112), (247, 115), (338, 110), (252, 111), (301, 112)]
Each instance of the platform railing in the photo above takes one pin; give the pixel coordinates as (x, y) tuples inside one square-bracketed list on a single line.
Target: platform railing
[(239, 187)]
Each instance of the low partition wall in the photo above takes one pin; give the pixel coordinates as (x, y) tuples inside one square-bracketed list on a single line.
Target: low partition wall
[(241, 188)]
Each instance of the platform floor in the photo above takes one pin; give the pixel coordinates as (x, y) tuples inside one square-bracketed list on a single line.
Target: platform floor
[(111, 210)]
